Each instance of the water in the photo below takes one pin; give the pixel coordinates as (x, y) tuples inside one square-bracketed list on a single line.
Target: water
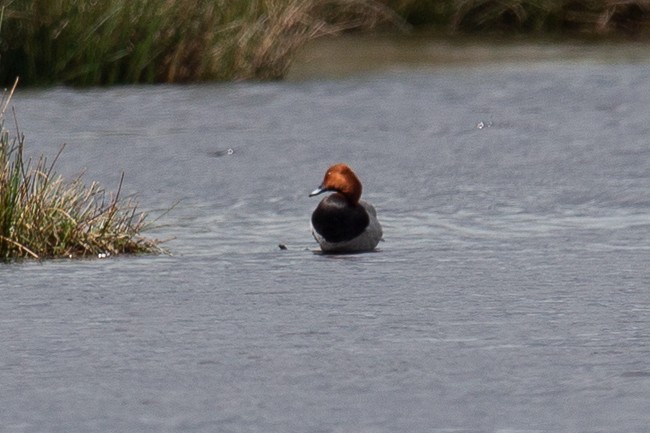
[(511, 293)]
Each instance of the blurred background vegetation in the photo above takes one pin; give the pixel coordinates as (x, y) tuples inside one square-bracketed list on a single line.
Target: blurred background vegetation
[(91, 42)]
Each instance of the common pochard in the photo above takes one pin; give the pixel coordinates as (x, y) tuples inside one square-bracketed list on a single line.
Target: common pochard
[(342, 223)]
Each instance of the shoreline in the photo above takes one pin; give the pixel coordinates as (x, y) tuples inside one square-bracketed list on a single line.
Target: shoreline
[(345, 55)]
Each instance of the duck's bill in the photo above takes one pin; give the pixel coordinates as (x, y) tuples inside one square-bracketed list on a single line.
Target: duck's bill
[(317, 191)]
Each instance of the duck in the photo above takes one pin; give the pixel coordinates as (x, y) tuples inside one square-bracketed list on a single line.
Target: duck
[(342, 222)]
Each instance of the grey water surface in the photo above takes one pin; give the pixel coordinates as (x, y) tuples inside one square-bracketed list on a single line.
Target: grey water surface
[(511, 294)]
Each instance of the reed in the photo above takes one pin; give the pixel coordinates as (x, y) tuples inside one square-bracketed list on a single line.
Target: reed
[(588, 18), (89, 42), (86, 42), (43, 216)]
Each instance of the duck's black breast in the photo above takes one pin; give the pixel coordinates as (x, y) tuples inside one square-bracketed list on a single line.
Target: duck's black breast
[(337, 220)]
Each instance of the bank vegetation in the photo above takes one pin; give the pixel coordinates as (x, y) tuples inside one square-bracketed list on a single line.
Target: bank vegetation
[(87, 42)]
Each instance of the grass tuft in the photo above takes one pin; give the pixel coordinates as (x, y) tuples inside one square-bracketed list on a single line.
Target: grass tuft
[(43, 216)]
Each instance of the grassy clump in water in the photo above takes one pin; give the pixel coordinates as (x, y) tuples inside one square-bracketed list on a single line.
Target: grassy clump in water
[(42, 216), (86, 42)]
